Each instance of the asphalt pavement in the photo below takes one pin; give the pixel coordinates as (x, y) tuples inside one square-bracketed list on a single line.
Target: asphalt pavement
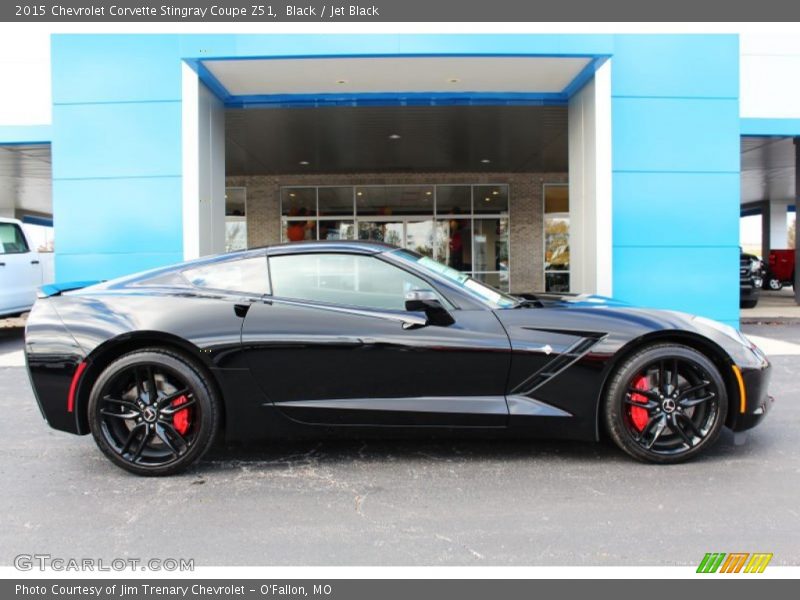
[(407, 502)]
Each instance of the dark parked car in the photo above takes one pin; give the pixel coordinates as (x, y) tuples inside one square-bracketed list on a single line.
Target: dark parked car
[(750, 280), (360, 337)]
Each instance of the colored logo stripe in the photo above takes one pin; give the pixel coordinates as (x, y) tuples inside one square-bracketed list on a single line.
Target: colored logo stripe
[(758, 562), (734, 562), (711, 562)]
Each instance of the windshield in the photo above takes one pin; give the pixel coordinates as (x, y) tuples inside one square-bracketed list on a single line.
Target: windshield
[(485, 293)]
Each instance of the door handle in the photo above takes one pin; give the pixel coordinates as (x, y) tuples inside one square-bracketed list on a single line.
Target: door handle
[(34, 262), (2, 264)]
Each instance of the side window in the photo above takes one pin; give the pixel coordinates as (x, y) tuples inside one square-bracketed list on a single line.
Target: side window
[(348, 279), (248, 276), (12, 241)]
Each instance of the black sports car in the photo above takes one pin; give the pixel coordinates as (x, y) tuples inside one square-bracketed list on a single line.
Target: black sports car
[(362, 336)]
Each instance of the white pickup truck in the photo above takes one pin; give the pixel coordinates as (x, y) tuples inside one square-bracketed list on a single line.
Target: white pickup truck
[(22, 269)]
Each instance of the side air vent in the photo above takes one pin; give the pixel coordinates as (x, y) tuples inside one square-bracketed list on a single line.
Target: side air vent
[(554, 367)]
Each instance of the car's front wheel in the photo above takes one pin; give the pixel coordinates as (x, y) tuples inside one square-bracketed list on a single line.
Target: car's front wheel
[(666, 404), (152, 412)]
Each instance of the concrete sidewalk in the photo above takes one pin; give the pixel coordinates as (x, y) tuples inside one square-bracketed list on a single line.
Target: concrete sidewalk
[(773, 306)]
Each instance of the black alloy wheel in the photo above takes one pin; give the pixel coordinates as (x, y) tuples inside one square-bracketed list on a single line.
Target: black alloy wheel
[(152, 412), (666, 404)]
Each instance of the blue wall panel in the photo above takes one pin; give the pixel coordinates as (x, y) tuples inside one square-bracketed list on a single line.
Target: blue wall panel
[(107, 265), (676, 161), (117, 202), (674, 209), (115, 68), (117, 140), (669, 134), (693, 280), (684, 66), (119, 216)]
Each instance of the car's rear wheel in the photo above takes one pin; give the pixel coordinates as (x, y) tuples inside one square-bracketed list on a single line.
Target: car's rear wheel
[(152, 412), (666, 404)]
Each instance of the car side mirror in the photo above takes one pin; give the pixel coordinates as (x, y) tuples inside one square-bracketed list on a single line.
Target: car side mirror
[(428, 302)]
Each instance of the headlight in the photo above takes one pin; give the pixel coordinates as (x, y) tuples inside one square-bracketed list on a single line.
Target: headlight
[(755, 265), (727, 330)]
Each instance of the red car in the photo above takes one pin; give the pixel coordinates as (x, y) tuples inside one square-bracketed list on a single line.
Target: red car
[(781, 269)]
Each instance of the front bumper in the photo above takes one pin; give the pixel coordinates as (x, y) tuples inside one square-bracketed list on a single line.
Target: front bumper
[(757, 402)]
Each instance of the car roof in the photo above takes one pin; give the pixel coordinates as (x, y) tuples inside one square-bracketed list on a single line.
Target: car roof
[(357, 246)]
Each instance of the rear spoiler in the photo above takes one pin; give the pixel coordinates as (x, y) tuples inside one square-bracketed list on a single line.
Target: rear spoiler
[(56, 289)]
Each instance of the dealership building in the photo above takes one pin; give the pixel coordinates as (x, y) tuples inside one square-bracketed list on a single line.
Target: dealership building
[(610, 164)]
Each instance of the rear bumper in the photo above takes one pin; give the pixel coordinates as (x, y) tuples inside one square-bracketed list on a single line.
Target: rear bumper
[(52, 356)]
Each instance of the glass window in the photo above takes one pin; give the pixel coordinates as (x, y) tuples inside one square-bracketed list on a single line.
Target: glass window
[(394, 200), (453, 199), (299, 202), (491, 245), (334, 201), (235, 201), (347, 279), (298, 230), (390, 232), (330, 229), (556, 238), (419, 236), (498, 281), (472, 286), (490, 199), (454, 243), (248, 275), (235, 219), (12, 241), (464, 225)]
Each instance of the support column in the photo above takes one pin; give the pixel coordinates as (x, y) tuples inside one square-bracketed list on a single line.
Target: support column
[(203, 138), (796, 228), (766, 229), (590, 240)]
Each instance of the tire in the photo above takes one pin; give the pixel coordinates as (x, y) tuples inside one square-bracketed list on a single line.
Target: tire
[(153, 438), (638, 381), (748, 303), (773, 284)]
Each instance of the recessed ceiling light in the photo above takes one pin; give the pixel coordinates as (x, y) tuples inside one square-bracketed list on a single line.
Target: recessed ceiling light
[(495, 192), (428, 193), (454, 80), (395, 136), (360, 194), (304, 163), (487, 199), (485, 161), (292, 195)]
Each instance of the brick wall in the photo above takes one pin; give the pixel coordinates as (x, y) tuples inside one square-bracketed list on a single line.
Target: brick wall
[(525, 209)]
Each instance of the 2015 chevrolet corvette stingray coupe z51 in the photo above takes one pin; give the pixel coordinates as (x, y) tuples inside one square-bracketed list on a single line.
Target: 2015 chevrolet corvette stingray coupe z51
[(358, 336)]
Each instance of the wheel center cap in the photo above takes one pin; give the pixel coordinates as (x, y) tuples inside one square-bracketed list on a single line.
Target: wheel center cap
[(668, 405), (150, 414)]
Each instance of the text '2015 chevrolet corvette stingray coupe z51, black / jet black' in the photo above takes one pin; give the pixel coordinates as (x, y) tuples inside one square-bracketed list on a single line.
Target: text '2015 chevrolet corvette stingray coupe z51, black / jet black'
[(354, 336)]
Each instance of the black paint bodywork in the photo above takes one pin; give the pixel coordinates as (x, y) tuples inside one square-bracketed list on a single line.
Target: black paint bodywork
[(285, 367)]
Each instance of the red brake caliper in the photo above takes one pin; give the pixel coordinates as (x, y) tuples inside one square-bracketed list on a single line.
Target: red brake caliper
[(639, 416), (180, 420)]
